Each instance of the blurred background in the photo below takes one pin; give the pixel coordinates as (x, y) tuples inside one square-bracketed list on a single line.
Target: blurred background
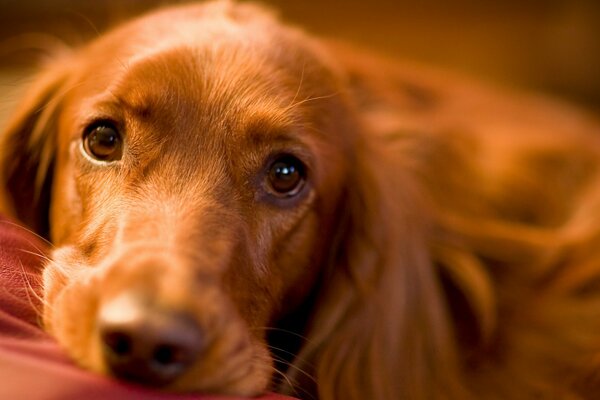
[(552, 46)]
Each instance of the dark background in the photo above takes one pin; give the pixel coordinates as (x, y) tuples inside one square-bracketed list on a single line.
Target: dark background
[(551, 46)]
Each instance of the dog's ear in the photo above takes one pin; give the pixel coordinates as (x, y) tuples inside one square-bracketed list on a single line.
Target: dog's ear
[(27, 149), (380, 329)]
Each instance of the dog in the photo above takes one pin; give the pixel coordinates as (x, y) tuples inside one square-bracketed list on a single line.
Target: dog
[(237, 206)]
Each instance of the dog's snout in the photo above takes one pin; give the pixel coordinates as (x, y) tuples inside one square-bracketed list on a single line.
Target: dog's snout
[(147, 345)]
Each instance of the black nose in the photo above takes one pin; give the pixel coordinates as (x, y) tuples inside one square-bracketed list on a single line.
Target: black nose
[(146, 345)]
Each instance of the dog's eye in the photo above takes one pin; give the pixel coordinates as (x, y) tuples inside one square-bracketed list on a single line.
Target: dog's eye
[(286, 176), (103, 142)]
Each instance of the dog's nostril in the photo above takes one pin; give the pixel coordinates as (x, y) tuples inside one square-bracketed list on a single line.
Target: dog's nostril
[(147, 345), (166, 355), (119, 343)]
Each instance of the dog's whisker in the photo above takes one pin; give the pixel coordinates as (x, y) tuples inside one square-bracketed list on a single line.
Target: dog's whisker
[(280, 350), (64, 270), (21, 227), (31, 291), (296, 390), (286, 331), (310, 99), (293, 366), (36, 254), (87, 20), (299, 85)]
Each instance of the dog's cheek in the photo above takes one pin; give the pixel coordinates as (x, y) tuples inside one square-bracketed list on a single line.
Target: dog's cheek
[(66, 204), (296, 263), (53, 283), (70, 315), (256, 371), (235, 363), (55, 276)]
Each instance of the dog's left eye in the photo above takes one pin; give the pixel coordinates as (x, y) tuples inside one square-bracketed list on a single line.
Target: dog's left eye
[(103, 142), (286, 176)]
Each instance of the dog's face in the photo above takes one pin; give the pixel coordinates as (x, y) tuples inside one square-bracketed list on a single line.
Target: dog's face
[(198, 163)]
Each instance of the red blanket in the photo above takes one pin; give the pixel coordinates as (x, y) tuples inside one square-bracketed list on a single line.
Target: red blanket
[(32, 366)]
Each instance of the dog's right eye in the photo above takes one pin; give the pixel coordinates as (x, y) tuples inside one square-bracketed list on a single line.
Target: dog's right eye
[(103, 142), (286, 176)]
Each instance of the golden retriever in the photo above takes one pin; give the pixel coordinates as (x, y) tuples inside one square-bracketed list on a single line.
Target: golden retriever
[(237, 207)]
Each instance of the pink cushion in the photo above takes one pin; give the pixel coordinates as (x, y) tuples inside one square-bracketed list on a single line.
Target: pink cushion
[(32, 366)]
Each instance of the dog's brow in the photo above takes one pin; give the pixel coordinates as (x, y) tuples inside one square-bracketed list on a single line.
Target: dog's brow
[(140, 109), (264, 133)]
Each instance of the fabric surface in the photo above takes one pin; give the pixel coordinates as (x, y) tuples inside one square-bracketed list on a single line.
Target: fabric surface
[(32, 366)]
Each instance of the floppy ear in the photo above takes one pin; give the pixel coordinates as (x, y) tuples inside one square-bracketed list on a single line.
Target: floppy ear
[(381, 325), (27, 148), (380, 329)]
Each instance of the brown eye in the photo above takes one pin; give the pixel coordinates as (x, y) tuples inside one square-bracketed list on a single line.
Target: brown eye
[(286, 176), (103, 142)]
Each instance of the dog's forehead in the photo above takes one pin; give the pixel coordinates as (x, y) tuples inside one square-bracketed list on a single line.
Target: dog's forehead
[(221, 30), (199, 79), (239, 86), (193, 57), (231, 78), (184, 90)]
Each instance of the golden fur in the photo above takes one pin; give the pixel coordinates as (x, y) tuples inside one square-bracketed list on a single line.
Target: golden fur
[(444, 247)]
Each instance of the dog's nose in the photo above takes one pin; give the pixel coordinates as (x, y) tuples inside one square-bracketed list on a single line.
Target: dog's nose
[(146, 345)]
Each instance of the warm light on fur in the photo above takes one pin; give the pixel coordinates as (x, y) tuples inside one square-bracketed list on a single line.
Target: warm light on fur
[(445, 246)]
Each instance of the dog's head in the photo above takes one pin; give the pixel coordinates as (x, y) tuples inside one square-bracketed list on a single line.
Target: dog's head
[(196, 158), (205, 176)]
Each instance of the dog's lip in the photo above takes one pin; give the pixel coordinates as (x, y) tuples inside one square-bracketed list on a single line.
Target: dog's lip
[(138, 371)]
